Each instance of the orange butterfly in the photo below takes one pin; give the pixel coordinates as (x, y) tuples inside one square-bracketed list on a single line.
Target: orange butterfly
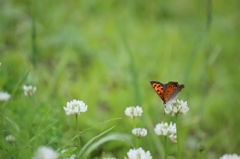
[(167, 91)]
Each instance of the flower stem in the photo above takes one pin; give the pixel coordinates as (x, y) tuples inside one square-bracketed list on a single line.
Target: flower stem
[(137, 142), (79, 139), (1, 125), (30, 110), (199, 155), (165, 145), (178, 138), (134, 122)]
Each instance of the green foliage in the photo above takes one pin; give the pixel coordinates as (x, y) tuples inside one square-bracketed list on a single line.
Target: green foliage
[(105, 53), (87, 149)]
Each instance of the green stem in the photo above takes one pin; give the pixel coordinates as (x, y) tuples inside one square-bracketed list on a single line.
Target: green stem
[(79, 139), (178, 138), (209, 15), (34, 35), (165, 145), (199, 155), (137, 142), (30, 109), (1, 125), (134, 122)]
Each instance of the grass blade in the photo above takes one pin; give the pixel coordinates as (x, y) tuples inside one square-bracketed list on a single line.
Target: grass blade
[(111, 137), (92, 140)]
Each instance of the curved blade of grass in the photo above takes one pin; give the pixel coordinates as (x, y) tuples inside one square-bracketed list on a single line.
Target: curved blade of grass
[(12, 123), (92, 140), (111, 137), (74, 138), (52, 140), (45, 116), (38, 134), (85, 131)]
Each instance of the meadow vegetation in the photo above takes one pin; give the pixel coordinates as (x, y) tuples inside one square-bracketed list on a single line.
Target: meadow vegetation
[(105, 53)]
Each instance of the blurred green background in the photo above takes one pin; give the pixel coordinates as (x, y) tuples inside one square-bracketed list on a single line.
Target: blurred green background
[(105, 53)]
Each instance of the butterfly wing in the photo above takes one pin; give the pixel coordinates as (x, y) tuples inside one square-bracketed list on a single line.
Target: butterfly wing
[(159, 88), (167, 91), (171, 90)]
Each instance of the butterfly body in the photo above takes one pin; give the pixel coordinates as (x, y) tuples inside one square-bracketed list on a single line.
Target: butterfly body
[(167, 91)]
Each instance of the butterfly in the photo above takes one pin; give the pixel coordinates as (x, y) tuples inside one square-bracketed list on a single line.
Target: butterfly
[(167, 91)]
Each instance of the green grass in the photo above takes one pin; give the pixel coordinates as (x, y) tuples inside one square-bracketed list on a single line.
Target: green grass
[(105, 53)]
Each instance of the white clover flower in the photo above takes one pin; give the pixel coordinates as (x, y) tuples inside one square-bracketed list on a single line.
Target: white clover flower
[(73, 156), (175, 107), (162, 129), (75, 107), (4, 96), (110, 158), (173, 137), (44, 152), (166, 130), (230, 156), (172, 128), (138, 154), (139, 132), (10, 138), (133, 111), (29, 90)]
